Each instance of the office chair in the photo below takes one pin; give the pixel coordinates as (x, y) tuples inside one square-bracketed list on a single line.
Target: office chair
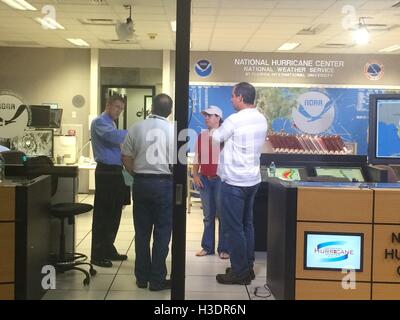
[(391, 174), (13, 157), (37, 166)]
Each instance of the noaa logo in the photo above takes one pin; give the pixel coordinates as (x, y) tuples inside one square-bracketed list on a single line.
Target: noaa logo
[(203, 68), (373, 70), (314, 113), (333, 251), (13, 116)]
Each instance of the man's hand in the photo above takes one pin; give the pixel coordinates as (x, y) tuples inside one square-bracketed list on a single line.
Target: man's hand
[(197, 181)]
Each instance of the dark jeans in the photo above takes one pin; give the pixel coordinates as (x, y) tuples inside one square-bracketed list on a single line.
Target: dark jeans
[(108, 202), (152, 214), (209, 198), (237, 219)]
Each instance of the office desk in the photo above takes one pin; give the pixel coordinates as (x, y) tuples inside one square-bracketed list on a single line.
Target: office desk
[(24, 237)]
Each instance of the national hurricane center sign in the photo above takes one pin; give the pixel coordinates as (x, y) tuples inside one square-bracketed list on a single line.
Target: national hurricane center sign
[(297, 68)]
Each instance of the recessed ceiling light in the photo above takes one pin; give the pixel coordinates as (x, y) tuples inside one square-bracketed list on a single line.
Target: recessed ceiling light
[(361, 35), (19, 5), (49, 23), (391, 48), (173, 25), (288, 46), (78, 42)]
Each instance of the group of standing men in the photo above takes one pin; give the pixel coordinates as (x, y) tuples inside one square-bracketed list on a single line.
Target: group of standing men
[(145, 151)]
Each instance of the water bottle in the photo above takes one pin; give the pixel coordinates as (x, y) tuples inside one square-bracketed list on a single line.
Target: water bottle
[(272, 169), (2, 168)]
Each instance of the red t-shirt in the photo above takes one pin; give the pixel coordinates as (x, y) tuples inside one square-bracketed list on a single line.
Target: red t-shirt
[(207, 154)]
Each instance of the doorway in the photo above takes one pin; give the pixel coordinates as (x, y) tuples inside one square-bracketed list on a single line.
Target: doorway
[(138, 100)]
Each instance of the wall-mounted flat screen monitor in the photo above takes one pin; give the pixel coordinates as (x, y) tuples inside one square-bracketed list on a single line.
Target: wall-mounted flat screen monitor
[(39, 116), (384, 129), (34, 143), (290, 173), (351, 174), (333, 251), (55, 118)]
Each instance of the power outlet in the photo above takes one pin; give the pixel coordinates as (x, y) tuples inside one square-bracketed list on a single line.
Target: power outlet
[(73, 114)]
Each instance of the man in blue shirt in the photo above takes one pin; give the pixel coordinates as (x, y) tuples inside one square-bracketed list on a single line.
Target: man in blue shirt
[(109, 183)]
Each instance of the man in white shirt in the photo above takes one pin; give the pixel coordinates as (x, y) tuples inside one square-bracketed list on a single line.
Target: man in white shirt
[(147, 154), (243, 135)]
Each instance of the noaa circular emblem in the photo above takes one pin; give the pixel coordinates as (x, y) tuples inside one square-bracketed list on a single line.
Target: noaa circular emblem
[(314, 113), (203, 68), (13, 116), (373, 70)]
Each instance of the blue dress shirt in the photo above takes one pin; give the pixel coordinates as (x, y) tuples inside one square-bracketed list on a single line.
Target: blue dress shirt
[(106, 140)]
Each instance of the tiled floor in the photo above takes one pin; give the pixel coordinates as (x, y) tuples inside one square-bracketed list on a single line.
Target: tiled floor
[(118, 282)]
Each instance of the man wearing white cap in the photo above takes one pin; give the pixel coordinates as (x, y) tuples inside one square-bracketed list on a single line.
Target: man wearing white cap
[(207, 181)]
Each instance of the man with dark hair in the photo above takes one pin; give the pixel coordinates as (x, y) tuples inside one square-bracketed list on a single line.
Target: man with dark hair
[(109, 183), (243, 134), (147, 154)]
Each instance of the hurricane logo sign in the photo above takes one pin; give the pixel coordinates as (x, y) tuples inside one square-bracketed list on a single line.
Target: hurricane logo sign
[(203, 68), (13, 116), (314, 113), (333, 251)]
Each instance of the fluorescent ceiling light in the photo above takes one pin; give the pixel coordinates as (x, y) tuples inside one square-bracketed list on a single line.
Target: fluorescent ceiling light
[(173, 25), (391, 48), (361, 35), (19, 5), (49, 23), (288, 46), (79, 42)]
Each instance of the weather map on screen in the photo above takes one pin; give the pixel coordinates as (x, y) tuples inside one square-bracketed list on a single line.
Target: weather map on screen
[(388, 128), (351, 174), (289, 174)]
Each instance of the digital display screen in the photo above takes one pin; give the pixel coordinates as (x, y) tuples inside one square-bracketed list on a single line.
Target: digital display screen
[(34, 143), (333, 251), (388, 128), (39, 116), (351, 174), (288, 174), (55, 118)]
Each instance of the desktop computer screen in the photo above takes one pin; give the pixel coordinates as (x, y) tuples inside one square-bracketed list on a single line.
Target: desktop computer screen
[(351, 174), (34, 143)]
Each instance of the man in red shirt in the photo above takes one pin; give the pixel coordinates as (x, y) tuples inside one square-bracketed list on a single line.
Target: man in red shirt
[(206, 180)]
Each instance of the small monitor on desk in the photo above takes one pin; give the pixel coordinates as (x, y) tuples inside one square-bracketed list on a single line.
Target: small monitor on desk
[(333, 250), (290, 173), (39, 116), (351, 174)]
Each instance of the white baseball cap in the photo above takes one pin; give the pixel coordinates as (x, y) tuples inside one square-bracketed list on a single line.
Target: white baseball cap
[(213, 110)]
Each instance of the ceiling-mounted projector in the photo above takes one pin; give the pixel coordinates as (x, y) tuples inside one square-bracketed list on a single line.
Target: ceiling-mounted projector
[(125, 30)]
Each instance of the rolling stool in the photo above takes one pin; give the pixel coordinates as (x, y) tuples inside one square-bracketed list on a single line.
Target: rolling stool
[(71, 261)]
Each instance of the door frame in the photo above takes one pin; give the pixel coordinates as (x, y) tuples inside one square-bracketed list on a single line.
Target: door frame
[(105, 87)]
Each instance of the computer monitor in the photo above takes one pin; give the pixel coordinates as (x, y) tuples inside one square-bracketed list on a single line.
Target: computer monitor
[(351, 174), (39, 116), (34, 143), (55, 118), (384, 129), (290, 173), (333, 250)]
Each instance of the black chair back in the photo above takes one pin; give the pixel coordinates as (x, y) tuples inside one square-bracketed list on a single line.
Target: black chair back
[(13, 157)]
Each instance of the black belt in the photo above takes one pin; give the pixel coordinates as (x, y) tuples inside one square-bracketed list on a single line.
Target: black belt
[(153, 175)]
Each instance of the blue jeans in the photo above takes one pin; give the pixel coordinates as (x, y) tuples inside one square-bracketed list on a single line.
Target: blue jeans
[(209, 198), (152, 214), (237, 219)]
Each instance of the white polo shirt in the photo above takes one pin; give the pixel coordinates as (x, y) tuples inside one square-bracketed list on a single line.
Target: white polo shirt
[(150, 144), (243, 134)]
